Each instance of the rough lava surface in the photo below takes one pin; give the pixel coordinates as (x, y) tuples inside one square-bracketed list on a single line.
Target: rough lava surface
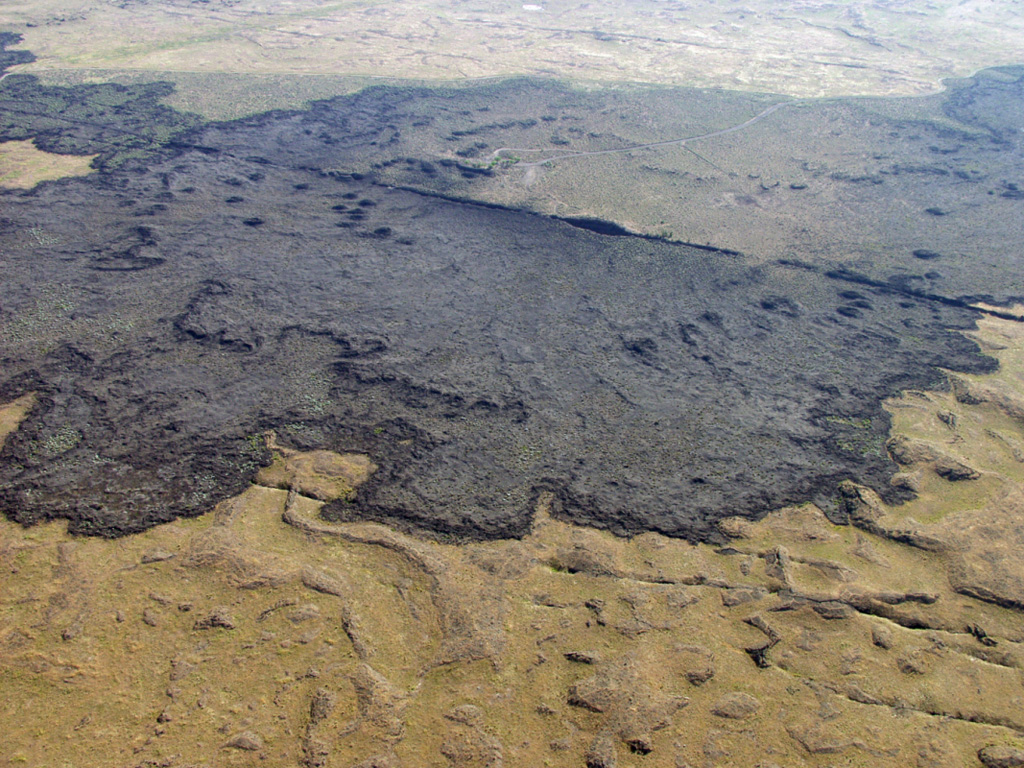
[(175, 306)]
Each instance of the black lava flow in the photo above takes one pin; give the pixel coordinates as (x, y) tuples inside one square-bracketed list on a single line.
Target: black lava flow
[(170, 310)]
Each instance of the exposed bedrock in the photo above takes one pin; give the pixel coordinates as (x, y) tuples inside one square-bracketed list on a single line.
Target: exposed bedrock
[(478, 355), (172, 307)]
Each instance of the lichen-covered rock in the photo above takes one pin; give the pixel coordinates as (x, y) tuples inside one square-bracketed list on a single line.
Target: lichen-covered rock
[(736, 705), (246, 741), (1001, 756), (955, 471), (882, 636), (601, 752), (219, 618)]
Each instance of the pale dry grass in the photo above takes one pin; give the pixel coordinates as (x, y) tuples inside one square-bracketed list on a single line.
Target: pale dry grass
[(822, 49), (22, 166), (334, 643)]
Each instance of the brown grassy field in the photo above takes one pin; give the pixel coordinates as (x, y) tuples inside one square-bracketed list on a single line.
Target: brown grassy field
[(23, 166), (260, 632)]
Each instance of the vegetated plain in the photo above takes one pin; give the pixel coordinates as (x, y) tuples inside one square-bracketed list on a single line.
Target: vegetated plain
[(261, 631), (854, 48)]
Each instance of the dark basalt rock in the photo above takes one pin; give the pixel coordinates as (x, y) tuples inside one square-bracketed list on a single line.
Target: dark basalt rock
[(501, 355), (480, 355), (120, 124), (9, 58), (599, 226)]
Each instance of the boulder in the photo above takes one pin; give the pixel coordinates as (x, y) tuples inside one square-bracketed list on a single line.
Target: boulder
[(1001, 756), (736, 705)]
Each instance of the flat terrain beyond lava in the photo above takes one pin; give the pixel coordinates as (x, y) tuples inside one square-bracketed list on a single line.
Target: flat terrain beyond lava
[(210, 283)]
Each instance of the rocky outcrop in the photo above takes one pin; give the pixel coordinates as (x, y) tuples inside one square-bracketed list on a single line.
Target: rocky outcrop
[(736, 705), (220, 261), (632, 705), (1001, 756)]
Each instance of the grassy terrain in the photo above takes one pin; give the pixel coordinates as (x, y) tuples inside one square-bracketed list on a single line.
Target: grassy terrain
[(865, 47), (260, 631), (24, 166), (224, 95), (228, 61)]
